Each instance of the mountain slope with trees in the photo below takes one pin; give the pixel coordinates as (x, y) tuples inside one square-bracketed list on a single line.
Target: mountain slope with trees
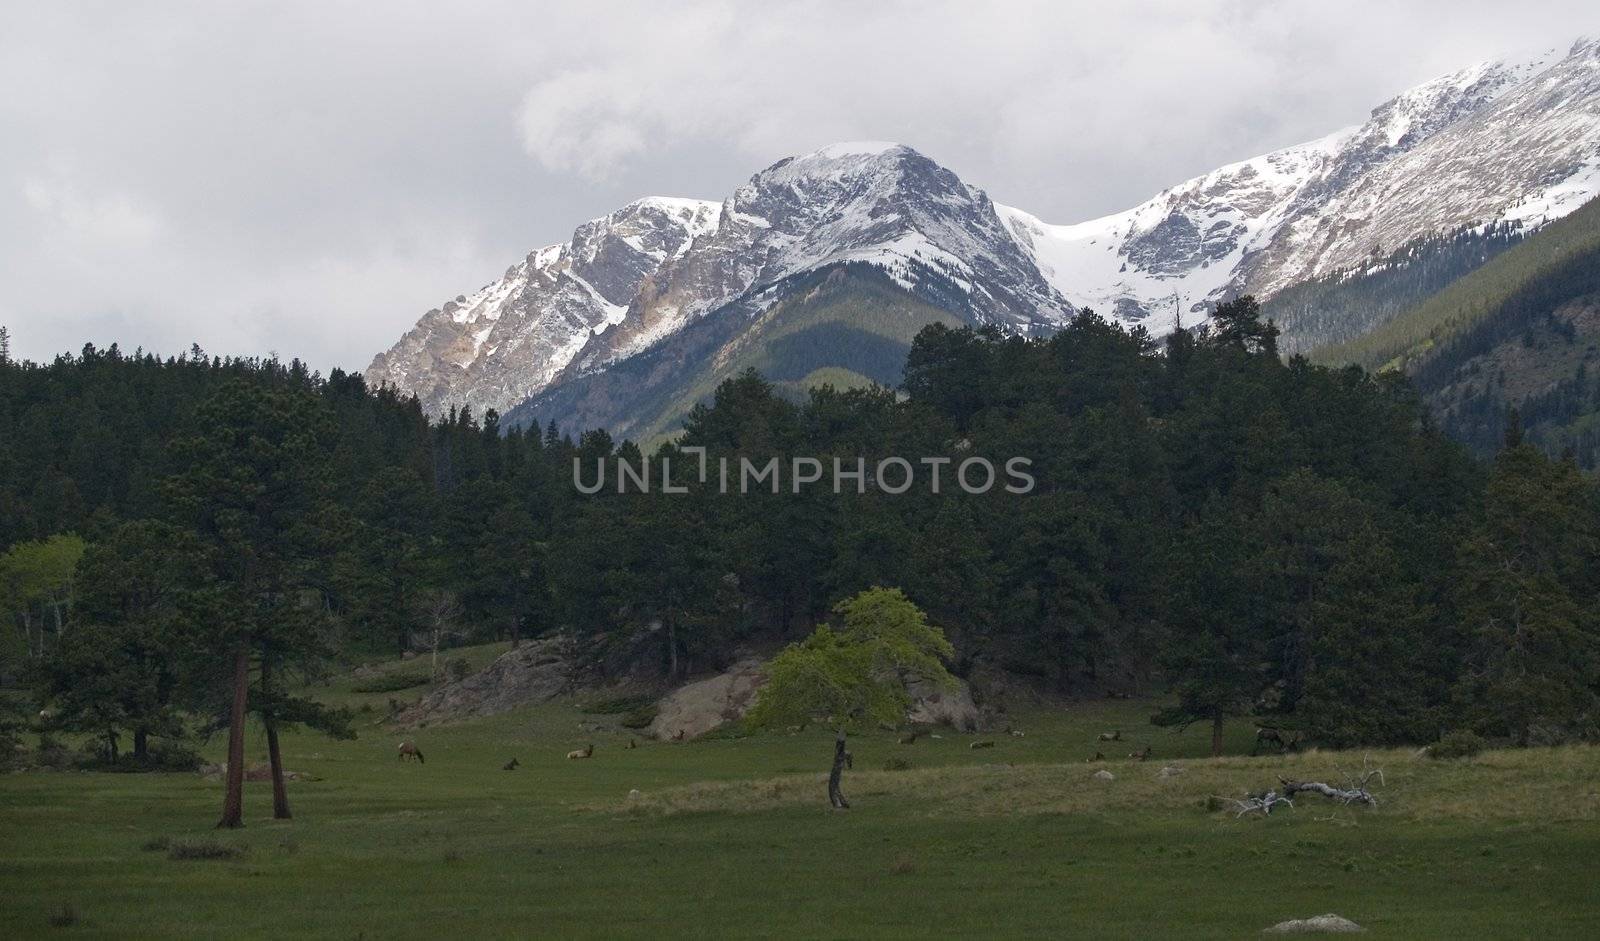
[(1521, 332)]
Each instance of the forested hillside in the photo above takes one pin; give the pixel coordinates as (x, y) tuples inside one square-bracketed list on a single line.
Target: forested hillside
[(850, 323), (1519, 333), (1537, 272), (1259, 537), (1347, 306)]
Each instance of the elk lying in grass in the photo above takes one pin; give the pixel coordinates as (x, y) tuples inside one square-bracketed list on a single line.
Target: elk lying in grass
[(410, 750), (1140, 755), (584, 752), (1113, 736), (510, 765)]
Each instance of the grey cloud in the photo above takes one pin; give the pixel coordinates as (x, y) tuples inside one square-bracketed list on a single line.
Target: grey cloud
[(308, 178)]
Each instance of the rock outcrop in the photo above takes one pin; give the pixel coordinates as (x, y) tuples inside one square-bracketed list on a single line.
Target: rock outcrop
[(535, 672), (699, 707), (1321, 924), (954, 707)]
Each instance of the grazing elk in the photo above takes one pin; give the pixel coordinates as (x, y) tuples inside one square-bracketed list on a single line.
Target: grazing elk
[(410, 750), (584, 752), (1113, 736), (1280, 739)]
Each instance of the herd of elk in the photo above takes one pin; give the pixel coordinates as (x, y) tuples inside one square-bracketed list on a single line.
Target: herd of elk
[(1285, 741), (410, 750)]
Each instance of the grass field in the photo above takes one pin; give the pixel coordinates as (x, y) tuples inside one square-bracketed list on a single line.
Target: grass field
[(731, 837)]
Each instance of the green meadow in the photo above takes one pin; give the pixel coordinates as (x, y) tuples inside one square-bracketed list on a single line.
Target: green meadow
[(731, 836)]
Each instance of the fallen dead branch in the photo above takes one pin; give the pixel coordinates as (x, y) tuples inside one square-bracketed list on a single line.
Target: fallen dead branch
[(1355, 791), (1262, 803)]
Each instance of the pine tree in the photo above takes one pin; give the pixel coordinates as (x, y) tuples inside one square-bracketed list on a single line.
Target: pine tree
[(1218, 631), (255, 487), (1531, 572), (5, 345), (135, 653)]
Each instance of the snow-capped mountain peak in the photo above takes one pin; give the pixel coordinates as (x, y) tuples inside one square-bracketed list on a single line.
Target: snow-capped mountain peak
[(1507, 140), (1478, 145), (506, 341)]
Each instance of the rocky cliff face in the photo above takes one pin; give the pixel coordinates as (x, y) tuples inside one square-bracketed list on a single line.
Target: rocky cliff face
[(505, 342)]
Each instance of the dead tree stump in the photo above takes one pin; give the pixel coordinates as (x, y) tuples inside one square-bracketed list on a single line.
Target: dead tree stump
[(841, 761)]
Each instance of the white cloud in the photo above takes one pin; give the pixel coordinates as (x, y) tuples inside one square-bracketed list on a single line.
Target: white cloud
[(586, 122), (99, 219)]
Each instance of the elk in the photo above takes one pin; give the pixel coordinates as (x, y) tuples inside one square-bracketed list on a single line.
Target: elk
[(410, 750), (677, 736), (1281, 739), (1113, 736), (1140, 755), (910, 738), (584, 752), (510, 765)]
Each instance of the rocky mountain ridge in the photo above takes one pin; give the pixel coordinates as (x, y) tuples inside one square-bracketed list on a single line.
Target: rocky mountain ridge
[(1515, 141)]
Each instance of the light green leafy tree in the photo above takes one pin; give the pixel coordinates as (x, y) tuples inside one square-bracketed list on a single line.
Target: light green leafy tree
[(854, 675), (37, 587)]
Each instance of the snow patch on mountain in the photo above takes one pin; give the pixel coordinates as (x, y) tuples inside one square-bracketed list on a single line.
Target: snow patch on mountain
[(1502, 140)]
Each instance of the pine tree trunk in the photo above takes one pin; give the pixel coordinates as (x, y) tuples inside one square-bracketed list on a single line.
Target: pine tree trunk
[(516, 631), (1216, 737), (280, 794), (141, 744), (841, 758), (233, 788), (672, 648)]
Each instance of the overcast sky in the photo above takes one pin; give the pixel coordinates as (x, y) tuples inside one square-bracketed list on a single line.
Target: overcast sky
[(307, 179)]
